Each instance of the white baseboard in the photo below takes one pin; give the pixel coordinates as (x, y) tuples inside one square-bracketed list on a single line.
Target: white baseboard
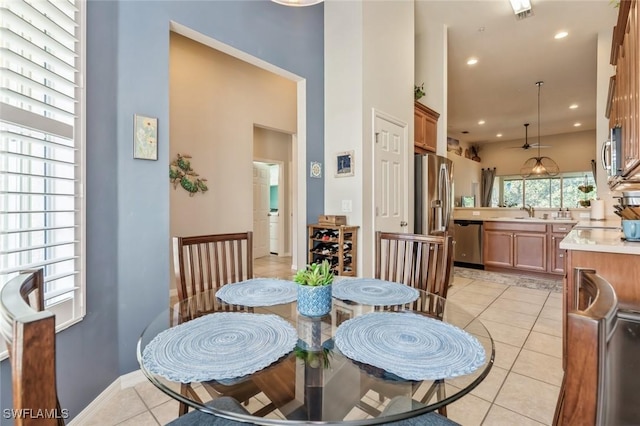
[(122, 382)]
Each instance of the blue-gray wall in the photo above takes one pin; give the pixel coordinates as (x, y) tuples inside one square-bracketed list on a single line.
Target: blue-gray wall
[(128, 200)]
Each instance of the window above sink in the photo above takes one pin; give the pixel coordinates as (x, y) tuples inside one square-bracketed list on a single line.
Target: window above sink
[(556, 192)]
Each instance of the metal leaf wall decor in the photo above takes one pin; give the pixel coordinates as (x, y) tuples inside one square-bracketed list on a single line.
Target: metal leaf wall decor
[(181, 173)]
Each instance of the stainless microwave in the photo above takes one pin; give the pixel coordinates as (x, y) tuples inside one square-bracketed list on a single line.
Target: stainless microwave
[(611, 153)]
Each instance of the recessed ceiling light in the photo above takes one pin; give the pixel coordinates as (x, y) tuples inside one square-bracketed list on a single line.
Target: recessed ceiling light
[(472, 61), (561, 34), (481, 122), (573, 106), (499, 135), (577, 124)]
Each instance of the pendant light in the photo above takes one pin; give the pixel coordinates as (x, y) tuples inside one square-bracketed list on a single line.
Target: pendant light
[(539, 166)]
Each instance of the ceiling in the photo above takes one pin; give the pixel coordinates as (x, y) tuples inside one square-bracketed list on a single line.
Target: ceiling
[(512, 56)]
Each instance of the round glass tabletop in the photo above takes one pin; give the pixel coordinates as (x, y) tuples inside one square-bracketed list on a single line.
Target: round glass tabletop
[(360, 364)]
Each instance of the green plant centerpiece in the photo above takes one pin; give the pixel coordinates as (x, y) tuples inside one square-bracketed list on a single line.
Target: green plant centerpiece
[(314, 289)]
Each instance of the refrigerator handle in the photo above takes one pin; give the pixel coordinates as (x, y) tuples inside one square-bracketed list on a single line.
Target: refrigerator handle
[(447, 207), (443, 195)]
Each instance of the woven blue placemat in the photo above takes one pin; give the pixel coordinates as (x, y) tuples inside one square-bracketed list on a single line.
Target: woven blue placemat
[(410, 346), (259, 292), (374, 292), (219, 346)]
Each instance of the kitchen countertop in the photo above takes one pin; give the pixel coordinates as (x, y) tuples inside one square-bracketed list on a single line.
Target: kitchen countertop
[(600, 240), (526, 220), (601, 224)]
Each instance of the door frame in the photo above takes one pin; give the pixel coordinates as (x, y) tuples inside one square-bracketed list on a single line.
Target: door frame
[(285, 204), (299, 139)]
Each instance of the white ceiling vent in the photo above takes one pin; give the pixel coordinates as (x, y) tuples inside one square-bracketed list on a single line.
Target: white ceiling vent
[(525, 14)]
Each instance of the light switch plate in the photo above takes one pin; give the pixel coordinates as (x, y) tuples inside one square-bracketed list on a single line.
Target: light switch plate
[(347, 205)]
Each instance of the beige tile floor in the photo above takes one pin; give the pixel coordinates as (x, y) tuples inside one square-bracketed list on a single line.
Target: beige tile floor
[(521, 389)]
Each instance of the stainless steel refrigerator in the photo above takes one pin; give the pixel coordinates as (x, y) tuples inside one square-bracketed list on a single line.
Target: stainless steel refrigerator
[(433, 204)]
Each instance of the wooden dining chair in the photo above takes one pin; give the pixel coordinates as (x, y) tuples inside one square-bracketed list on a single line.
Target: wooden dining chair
[(29, 333), (420, 261), (204, 263), (207, 262)]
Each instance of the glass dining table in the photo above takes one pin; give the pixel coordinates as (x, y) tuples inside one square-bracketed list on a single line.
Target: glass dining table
[(341, 368)]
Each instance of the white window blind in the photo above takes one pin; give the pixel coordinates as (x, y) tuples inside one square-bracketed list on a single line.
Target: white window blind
[(41, 148)]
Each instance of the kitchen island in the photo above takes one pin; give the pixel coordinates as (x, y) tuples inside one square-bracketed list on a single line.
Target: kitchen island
[(605, 251)]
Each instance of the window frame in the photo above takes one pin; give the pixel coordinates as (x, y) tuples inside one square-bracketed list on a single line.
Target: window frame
[(499, 182), (72, 310)]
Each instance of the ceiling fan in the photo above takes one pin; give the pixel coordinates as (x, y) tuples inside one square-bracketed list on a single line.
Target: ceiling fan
[(526, 141)]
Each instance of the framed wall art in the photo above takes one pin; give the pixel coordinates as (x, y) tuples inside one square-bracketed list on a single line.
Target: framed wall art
[(315, 169), (344, 164), (145, 137)]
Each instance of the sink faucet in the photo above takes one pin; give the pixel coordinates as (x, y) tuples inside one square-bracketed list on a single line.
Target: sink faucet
[(529, 210)]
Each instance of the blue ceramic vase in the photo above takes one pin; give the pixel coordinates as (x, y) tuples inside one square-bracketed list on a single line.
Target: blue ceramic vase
[(314, 301)]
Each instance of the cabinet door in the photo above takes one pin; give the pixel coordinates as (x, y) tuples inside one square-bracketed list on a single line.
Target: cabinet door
[(497, 249), (557, 254), (628, 90), (530, 251), (425, 121), (430, 133), (419, 128)]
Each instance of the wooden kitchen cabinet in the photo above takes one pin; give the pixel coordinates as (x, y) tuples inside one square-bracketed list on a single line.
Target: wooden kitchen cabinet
[(625, 100), (621, 270), (530, 247), (530, 251), (497, 248), (556, 254), (515, 245), (425, 122)]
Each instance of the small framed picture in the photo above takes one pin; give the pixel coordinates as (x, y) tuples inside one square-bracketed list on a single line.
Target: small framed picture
[(145, 137), (344, 164), (315, 169)]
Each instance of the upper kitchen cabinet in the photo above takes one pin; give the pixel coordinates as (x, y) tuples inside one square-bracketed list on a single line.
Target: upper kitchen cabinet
[(625, 99), (425, 122)]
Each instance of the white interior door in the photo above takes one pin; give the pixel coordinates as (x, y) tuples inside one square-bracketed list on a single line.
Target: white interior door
[(391, 174), (260, 210)]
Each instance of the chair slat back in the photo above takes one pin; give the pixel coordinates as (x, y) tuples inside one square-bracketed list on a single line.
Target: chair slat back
[(207, 262), (420, 261), (29, 333)]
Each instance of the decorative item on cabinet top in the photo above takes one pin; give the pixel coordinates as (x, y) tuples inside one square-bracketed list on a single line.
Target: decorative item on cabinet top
[(418, 91), (331, 219), (180, 172)]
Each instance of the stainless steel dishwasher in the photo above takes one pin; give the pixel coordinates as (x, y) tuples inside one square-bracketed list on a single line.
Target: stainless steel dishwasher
[(468, 246)]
